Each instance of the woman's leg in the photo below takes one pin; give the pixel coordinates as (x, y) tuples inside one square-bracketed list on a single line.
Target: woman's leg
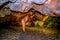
[(23, 21)]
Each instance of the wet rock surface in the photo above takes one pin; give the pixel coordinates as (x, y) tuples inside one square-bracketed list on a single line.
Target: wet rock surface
[(10, 34)]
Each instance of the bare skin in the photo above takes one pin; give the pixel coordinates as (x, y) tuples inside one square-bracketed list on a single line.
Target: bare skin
[(23, 21)]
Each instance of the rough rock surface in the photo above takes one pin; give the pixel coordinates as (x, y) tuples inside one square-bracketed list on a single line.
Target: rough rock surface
[(9, 34)]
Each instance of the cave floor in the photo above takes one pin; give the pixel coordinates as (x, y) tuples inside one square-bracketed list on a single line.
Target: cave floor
[(11, 34)]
